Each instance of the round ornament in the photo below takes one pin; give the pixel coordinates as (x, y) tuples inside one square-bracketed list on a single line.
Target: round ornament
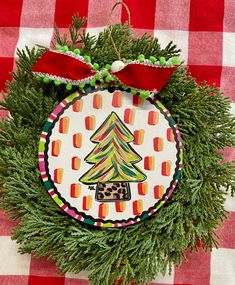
[(110, 159)]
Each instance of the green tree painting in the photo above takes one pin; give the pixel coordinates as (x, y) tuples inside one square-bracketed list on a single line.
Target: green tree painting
[(114, 161)]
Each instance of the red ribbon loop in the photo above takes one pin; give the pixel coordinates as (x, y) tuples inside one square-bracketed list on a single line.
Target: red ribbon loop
[(57, 65), (145, 77)]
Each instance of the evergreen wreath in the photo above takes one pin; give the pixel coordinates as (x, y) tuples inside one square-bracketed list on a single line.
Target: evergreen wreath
[(188, 220)]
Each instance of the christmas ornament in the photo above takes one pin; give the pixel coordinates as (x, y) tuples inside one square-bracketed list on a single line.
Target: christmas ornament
[(66, 145), (86, 194), (131, 170)]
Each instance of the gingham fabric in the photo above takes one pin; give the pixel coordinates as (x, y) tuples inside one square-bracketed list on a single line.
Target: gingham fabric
[(203, 29)]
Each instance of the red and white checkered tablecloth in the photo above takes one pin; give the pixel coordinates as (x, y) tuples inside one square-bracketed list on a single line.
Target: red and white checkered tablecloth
[(203, 29)]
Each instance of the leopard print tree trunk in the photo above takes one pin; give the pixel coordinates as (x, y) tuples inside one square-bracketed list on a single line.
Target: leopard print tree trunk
[(113, 191)]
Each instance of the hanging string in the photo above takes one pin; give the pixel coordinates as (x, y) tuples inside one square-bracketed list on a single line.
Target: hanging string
[(118, 50)]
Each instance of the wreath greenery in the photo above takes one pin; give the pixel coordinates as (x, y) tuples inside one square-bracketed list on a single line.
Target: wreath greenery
[(188, 220)]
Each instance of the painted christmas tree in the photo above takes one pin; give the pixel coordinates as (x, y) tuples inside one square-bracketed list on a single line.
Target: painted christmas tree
[(113, 160)]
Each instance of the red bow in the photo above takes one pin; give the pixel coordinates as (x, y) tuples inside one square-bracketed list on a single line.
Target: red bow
[(70, 69)]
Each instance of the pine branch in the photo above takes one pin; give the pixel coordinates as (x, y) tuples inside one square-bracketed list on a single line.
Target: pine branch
[(74, 33)]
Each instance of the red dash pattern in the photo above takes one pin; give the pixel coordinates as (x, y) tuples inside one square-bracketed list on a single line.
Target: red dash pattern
[(158, 144), (149, 163), (56, 147), (97, 101), (103, 210), (137, 207), (120, 206), (77, 106), (90, 123), (170, 135), (117, 99), (76, 161), (139, 137), (64, 125), (137, 101), (87, 203), (143, 188), (166, 168), (77, 140), (158, 191), (58, 175), (129, 116), (75, 190), (153, 118)]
